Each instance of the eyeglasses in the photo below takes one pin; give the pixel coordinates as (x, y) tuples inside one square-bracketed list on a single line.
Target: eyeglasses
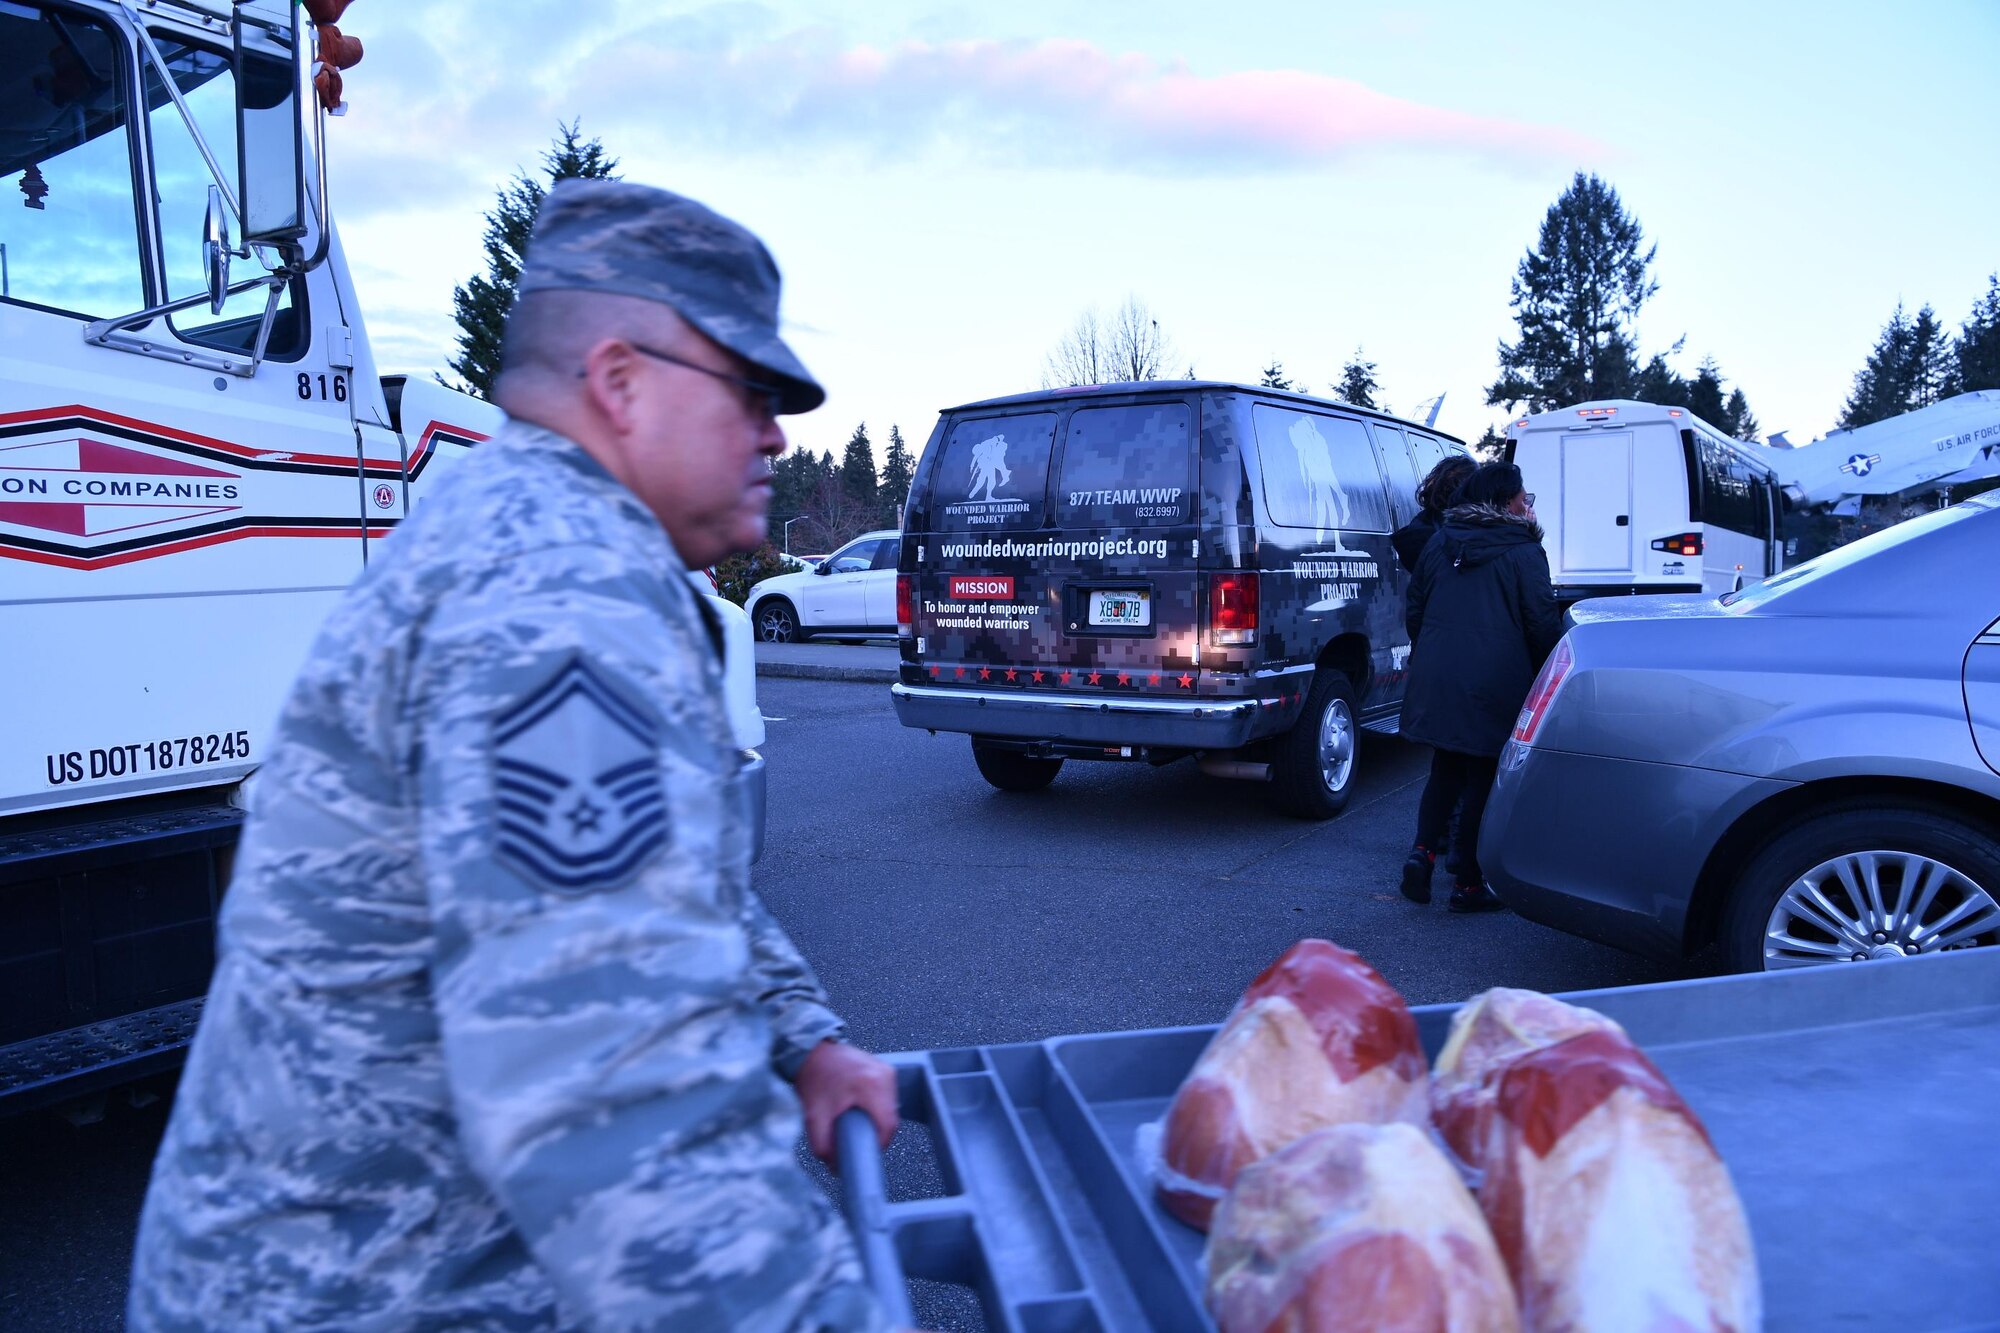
[(1529, 496), (769, 397)]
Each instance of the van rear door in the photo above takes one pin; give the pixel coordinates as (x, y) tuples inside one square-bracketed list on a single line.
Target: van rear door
[(1059, 551), (1594, 528)]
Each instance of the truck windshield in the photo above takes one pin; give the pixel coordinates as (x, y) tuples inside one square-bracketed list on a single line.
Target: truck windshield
[(69, 236)]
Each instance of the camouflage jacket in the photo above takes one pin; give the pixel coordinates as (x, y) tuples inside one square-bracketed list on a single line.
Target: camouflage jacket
[(500, 1035)]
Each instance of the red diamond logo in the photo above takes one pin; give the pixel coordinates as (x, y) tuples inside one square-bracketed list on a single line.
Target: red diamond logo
[(81, 487)]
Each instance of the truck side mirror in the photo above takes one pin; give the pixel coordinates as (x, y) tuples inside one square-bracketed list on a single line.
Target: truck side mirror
[(270, 129), (215, 250)]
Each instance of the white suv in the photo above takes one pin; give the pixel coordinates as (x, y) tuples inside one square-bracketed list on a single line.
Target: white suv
[(850, 594)]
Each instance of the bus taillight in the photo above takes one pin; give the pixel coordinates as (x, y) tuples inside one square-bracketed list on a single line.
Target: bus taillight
[(1686, 543)]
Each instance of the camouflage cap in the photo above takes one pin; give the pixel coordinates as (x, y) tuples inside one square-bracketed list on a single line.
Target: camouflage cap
[(635, 240)]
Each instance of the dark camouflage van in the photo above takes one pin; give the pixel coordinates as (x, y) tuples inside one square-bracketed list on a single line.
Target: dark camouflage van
[(1150, 571)]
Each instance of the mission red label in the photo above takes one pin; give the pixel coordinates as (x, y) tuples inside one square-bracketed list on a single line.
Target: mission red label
[(981, 587)]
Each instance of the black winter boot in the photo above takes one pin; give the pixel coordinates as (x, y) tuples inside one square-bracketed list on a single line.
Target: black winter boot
[(1474, 898), (1416, 884)]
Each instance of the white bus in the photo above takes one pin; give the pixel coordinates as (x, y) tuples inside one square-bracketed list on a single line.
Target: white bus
[(1639, 498)]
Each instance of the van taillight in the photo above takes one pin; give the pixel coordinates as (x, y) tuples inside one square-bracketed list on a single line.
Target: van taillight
[(1554, 672), (1686, 543), (1232, 609), (903, 605)]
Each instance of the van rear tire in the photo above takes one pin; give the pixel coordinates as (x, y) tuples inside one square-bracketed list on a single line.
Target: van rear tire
[(1010, 770), (1315, 764)]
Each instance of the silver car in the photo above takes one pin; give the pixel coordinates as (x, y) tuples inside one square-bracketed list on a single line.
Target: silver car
[(1806, 771)]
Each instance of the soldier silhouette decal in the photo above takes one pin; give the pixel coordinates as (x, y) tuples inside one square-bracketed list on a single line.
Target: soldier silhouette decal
[(989, 466), (581, 800)]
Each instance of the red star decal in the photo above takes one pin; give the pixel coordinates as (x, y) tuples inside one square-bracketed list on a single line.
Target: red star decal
[(985, 674), (933, 671), (1153, 679), (1038, 678), (959, 672), (1012, 674), (1187, 681), (1094, 677), (1064, 678), (1124, 679)]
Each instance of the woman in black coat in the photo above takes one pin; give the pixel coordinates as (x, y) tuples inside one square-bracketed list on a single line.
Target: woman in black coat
[(1436, 493), (1482, 617)]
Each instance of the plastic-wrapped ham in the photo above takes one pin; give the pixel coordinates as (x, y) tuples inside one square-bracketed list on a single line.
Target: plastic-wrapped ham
[(1488, 1033), (1609, 1202), (1358, 1227), (1318, 1039)]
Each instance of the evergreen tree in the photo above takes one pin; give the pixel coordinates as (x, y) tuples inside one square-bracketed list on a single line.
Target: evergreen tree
[(1882, 385), (1932, 368), (794, 479), (1657, 383), (1705, 398), (1488, 446), (482, 304), (1357, 381), (897, 470), (1275, 378), (857, 469), (1574, 298), (1737, 418), (1978, 347)]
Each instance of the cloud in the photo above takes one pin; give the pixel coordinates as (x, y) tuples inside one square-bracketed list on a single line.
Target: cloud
[(1053, 102)]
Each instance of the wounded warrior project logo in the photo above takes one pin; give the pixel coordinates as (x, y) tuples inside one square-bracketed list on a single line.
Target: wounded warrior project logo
[(990, 474), (580, 796)]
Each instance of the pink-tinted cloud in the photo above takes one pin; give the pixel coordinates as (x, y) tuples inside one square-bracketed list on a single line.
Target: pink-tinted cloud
[(1054, 100)]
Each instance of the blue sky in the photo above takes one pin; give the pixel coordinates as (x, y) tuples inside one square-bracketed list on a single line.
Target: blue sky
[(947, 187)]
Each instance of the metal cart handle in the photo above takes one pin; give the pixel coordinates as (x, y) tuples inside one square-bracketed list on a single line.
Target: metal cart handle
[(867, 1200)]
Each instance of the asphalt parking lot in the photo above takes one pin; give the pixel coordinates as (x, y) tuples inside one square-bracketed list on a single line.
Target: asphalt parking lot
[(940, 912)]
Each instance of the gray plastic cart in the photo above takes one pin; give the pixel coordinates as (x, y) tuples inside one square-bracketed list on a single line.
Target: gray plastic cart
[(1856, 1107)]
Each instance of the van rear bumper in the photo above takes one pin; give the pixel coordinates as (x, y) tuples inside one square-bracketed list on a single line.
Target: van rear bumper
[(1193, 724)]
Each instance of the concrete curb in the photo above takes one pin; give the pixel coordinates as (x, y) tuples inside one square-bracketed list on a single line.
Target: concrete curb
[(814, 671)]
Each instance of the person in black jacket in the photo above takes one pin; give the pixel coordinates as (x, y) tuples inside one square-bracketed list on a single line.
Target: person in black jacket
[(1436, 493), (1482, 617)]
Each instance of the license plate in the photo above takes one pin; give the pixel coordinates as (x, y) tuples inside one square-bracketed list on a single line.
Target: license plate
[(1120, 608)]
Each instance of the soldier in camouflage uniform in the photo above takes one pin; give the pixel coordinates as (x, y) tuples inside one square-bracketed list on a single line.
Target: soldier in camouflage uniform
[(501, 1038)]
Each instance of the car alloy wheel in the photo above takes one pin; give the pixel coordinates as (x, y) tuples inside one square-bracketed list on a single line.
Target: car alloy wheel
[(1870, 905), (776, 623)]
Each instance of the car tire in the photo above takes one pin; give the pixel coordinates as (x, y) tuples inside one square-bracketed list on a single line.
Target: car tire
[(777, 622), (1010, 770), (1929, 870), (1315, 764)]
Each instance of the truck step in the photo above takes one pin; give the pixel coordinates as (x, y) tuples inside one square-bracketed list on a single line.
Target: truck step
[(132, 837), (1385, 726), (79, 1060)]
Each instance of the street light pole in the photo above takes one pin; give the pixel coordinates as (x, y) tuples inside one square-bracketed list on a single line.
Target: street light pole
[(788, 533)]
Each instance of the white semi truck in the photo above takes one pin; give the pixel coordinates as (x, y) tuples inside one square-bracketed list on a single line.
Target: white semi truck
[(197, 454), (1639, 497)]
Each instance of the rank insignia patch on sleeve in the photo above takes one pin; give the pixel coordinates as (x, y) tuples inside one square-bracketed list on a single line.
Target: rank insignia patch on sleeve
[(579, 789)]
